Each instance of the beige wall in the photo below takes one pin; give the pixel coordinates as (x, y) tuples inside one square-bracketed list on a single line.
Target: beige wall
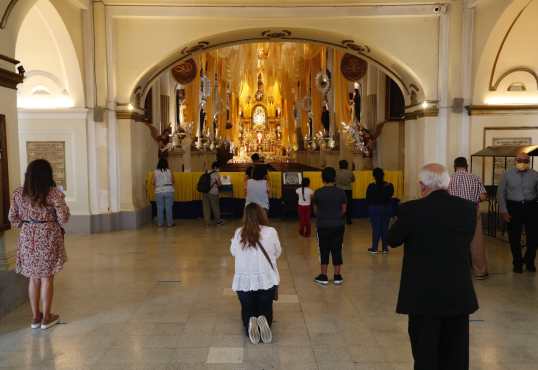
[(391, 146), (69, 127), (160, 37)]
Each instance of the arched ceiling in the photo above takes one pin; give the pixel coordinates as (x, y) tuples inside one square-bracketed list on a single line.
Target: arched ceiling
[(398, 72)]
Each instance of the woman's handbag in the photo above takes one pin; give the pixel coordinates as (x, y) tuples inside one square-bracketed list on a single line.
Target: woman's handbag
[(275, 297)]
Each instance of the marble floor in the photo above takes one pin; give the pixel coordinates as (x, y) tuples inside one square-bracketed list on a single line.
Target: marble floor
[(159, 299)]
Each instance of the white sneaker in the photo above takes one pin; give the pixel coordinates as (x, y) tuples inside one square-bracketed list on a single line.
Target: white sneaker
[(265, 330), (253, 330), (53, 320)]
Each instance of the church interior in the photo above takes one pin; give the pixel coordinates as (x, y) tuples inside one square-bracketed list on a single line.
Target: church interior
[(104, 89)]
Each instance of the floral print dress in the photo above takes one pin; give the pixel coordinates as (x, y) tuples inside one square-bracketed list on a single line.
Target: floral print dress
[(40, 249)]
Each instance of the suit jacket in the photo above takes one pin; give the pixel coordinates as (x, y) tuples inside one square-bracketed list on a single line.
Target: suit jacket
[(436, 275)]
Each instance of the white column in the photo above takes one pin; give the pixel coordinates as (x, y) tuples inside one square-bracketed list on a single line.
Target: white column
[(467, 75), (112, 128), (437, 148), (89, 76)]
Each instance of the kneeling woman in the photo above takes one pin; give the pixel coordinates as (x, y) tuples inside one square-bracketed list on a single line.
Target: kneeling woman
[(256, 248)]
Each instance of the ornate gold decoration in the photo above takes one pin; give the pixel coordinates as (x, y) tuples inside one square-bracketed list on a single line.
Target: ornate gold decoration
[(185, 72), (193, 49), (350, 44), (353, 68), (276, 34)]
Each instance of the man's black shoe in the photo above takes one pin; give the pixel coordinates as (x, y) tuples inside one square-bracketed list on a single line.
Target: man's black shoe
[(518, 269), (531, 268)]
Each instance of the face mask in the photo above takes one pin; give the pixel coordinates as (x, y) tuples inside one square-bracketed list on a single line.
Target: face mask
[(522, 166)]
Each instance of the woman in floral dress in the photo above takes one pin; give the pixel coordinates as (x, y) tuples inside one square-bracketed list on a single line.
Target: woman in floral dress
[(39, 210)]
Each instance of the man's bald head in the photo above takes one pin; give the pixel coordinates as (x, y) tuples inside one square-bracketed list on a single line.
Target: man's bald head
[(432, 177)]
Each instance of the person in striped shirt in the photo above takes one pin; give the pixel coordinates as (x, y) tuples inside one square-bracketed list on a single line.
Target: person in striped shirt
[(464, 184)]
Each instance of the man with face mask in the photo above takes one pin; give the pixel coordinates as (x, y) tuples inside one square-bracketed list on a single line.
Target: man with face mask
[(436, 288), (518, 195)]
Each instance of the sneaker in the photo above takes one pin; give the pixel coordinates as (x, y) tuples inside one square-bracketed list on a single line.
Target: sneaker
[(265, 330), (220, 222), (373, 252), (321, 279), (53, 320), (253, 330), (338, 279), (385, 251), (36, 323)]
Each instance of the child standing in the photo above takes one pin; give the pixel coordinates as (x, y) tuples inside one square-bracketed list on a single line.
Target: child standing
[(304, 208), (330, 207)]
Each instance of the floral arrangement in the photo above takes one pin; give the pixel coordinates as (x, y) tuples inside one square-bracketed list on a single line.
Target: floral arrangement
[(360, 138)]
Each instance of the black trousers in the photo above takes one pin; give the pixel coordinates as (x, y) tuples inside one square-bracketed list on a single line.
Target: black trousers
[(330, 240), (523, 215), (349, 209), (439, 343), (256, 303)]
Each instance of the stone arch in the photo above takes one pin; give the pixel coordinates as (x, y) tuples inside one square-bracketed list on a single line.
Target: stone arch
[(406, 79), (60, 71)]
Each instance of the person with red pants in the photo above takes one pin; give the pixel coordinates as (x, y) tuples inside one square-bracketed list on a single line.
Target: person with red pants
[(304, 208)]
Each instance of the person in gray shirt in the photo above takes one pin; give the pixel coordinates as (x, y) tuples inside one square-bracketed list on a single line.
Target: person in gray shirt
[(518, 195)]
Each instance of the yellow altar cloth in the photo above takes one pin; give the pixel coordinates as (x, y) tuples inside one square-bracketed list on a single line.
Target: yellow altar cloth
[(185, 184)]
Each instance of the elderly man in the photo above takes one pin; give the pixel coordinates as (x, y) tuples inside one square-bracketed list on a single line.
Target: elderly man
[(468, 186), (436, 288), (517, 195)]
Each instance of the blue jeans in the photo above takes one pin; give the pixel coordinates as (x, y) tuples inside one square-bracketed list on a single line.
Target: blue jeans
[(379, 218), (165, 202)]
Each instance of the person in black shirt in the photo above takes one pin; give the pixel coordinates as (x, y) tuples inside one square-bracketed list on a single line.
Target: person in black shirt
[(379, 197), (330, 207)]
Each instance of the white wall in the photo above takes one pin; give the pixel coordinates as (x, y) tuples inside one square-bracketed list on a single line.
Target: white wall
[(70, 127)]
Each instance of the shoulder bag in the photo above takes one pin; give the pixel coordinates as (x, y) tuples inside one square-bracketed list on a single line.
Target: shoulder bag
[(275, 297)]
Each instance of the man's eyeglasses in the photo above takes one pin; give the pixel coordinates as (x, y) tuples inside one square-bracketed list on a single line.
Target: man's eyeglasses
[(522, 160)]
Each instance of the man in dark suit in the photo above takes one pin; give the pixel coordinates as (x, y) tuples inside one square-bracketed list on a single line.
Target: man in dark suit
[(436, 288)]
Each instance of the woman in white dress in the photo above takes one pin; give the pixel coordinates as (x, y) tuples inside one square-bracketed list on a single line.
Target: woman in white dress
[(256, 248)]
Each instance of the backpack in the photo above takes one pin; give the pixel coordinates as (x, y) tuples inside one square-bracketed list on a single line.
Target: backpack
[(204, 183)]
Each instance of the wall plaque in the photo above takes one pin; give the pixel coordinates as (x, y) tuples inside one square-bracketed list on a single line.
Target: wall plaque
[(52, 151), (185, 72), (353, 68)]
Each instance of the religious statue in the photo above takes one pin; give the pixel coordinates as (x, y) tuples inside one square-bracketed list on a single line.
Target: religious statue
[(355, 105), (326, 117)]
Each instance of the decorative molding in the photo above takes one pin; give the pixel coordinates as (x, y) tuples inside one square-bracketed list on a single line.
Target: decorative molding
[(421, 113), (7, 12), (513, 70), (492, 76), (10, 79), (361, 51), (478, 110), (134, 116), (9, 59)]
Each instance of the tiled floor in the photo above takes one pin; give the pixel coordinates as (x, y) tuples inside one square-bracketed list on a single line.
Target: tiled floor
[(160, 299)]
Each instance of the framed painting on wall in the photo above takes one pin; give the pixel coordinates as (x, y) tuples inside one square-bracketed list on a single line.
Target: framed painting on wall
[(52, 151)]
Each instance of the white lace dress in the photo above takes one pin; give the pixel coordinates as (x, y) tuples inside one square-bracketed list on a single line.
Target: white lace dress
[(252, 270)]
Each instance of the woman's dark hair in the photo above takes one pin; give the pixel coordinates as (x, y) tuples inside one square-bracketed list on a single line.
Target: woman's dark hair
[(255, 217), (328, 174), (38, 181), (215, 165), (343, 164), (259, 172), (304, 184), (379, 175), (162, 164)]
